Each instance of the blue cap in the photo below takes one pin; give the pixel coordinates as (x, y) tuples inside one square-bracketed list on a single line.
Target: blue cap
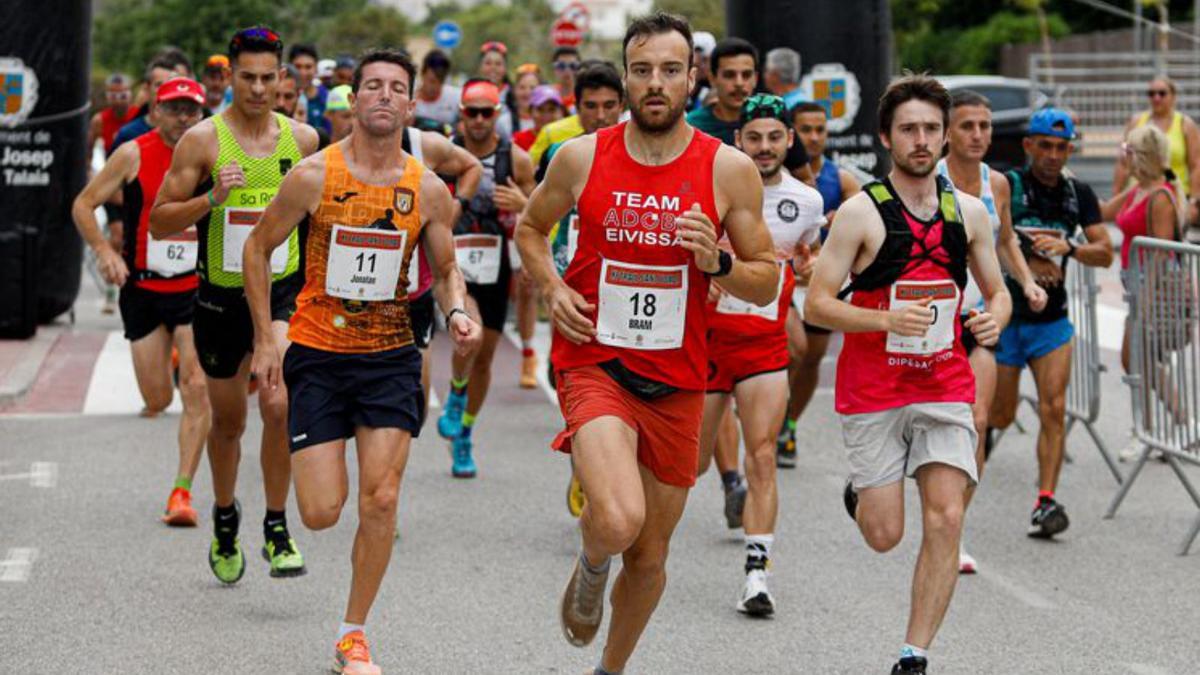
[(1052, 122)]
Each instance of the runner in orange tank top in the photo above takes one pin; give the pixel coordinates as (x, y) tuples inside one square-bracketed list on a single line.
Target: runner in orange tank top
[(653, 197), (352, 369)]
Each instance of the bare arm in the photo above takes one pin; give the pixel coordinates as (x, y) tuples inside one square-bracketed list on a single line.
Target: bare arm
[(1191, 136), (449, 159), (1110, 208), (1164, 218), (1121, 170), (1008, 248), (755, 276), (437, 211), (118, 170), (307, 138), (981, 256), (850, 187), (550, 201), (175, 208), (1098, 252)]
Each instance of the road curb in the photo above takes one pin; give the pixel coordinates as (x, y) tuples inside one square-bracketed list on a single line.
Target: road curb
[(27, 362)]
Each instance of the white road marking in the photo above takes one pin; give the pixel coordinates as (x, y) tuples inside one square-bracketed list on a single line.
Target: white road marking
[(1146, 669), (114, 389), (16, 567), (1014, 589), (40, 475)]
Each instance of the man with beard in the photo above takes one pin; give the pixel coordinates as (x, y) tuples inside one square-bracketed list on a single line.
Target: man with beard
[(654, 195), (288, 100), (748, 345), (225, 171), (734, 68), (157, 278), (352, 369), (481, 244), (904, 385)]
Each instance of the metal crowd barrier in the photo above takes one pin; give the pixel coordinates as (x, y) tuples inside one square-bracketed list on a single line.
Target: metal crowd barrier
[(1164, 377), (1083, 387)]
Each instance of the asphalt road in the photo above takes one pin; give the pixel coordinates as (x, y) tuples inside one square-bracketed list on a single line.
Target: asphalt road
[(91, 582)]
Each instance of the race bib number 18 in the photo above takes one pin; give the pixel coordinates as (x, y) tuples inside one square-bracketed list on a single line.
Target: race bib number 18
[(940, 335), (642, 306)]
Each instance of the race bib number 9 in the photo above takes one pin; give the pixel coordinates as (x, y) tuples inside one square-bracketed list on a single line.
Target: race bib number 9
[(642, 306), (243, 208), (172, 256), (940, 335), (478, 257), (364, 263), (729, 304)]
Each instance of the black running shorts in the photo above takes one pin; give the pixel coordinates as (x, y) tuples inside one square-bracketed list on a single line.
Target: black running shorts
[(493, 300), (143, 311), (331, 394), (420, 312), (223, 330)]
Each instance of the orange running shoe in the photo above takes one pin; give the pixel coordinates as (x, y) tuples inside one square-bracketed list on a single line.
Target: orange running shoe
[(175, 366), (529, 366), (352, 656), (179, 509)]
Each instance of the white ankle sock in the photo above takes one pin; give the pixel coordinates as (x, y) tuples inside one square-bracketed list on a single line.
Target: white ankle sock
[(348, 628)]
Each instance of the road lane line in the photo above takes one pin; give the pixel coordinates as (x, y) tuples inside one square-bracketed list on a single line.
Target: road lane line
[(15, 568), (1015, 590), (113, 388), (541, 346)]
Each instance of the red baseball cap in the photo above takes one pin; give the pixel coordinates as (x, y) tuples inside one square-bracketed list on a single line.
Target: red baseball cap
[(180, 87)]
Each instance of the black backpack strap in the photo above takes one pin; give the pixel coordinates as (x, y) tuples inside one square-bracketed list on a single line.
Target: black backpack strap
[(897, 243), (503, 169)]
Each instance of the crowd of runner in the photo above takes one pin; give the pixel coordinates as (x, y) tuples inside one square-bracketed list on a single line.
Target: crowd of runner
[(294, 228)]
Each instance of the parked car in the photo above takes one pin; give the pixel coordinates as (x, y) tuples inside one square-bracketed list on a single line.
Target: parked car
[(1013, 101)]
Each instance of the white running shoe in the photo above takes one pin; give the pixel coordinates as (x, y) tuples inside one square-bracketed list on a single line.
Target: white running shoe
[(756, 600), (966, 562)]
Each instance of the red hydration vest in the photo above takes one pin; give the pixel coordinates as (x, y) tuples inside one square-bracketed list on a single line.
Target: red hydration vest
[(649, 295), (159, 270), (879, 371)]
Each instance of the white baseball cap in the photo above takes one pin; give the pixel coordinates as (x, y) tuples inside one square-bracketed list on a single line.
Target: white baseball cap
[(704, 42), (325, 67)]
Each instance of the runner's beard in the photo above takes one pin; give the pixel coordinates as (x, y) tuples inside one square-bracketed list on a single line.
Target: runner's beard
[(674, 113), (911, 169)]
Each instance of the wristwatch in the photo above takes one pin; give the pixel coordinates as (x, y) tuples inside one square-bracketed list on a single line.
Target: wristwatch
[(1070, 249), (456, 310), (724, 264)]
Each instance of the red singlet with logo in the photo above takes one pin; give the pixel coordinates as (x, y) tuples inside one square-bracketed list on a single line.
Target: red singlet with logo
[(880, 371), (648, 293), (160, 265)]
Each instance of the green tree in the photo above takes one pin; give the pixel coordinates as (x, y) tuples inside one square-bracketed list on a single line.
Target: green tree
[(523, 26), (354, 30)]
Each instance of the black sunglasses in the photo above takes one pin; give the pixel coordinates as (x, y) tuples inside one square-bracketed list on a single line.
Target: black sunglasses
[(485, 113), (1157, 93)]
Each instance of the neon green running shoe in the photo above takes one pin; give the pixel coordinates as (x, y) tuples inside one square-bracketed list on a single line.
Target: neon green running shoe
[(280, 550), (228, 564)]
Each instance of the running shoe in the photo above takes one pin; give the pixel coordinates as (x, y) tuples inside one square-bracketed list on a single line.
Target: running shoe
[(450, 423), (464, 463), (227, 562), (576, 500), (735, 504), (179, 511), (785, 448), (529, 366), (550, 375), (1049, 518), (352, 656), (110, 300), (582, 609), (175, 366), (850, 500), (910, 665), (756, 600), (280, 550), (966, 562)]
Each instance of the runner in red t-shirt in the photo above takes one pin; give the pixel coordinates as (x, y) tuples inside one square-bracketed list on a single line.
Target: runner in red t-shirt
[(653, 197), (904, 385)]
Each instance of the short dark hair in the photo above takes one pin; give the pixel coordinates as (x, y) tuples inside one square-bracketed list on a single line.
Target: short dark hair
[(436, 62), (255, 40), (303, 50), (731, 46), (562, 51), (157, 62), (387, 55), (912, 86), (656, 24), (290, 73), (601, 75), (808, 107), (173, 57), (965, 97)]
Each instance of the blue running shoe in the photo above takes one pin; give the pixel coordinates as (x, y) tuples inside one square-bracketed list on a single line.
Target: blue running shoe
[(464, 463), (450, 423)]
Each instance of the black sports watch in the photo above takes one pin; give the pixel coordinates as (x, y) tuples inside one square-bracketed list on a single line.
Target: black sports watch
[(724, 264), (1071, 249), (456, 310)]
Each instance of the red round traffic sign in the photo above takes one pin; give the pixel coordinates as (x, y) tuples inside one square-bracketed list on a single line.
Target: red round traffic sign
[(565, 34)]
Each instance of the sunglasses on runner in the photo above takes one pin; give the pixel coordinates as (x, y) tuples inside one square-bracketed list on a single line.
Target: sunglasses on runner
[(485, 113), (567, 65), (1157, 93)]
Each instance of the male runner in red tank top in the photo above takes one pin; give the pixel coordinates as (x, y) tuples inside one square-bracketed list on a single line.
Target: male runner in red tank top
[(904, 384), (653, 196)]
